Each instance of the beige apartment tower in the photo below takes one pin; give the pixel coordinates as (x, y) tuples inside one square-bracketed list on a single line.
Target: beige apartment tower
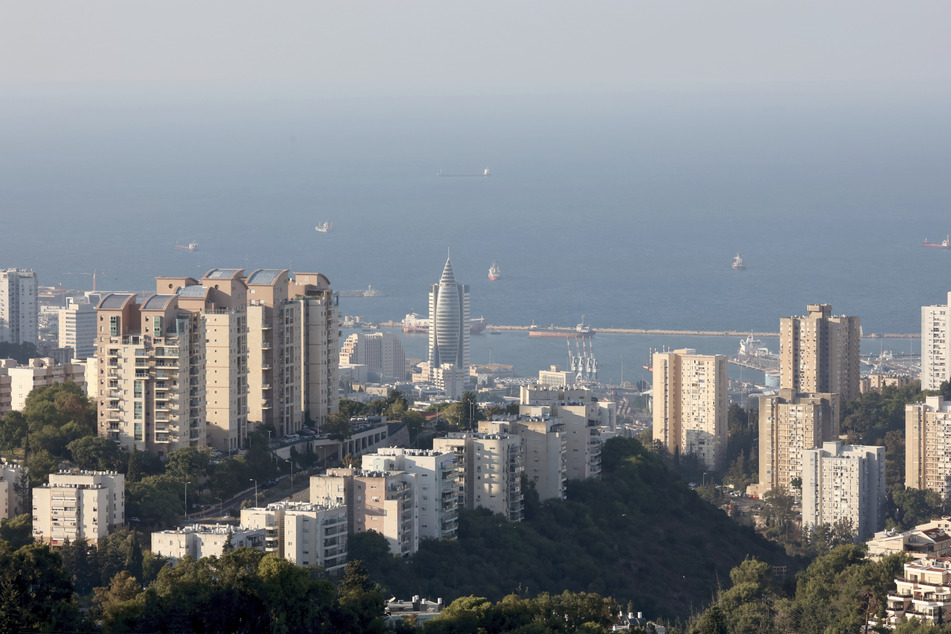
[(690, 404), (151, 362), (789, 424), (819, 353), (928, 446)]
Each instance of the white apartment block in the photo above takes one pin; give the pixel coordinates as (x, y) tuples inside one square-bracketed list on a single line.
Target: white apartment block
[(19, 310), (78, 505), (925, 540), (492, 467), (381, 501), (77, 325), (928, 446), (17, 381), (204, 540), (844, 483), (151, 366), (381, 352), (788, 425), (303, 533), (12, 476), (439, 479), (544, 451), (690, 404), (935, 345)]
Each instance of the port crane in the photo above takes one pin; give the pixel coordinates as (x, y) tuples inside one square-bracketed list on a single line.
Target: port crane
[(94, 275)]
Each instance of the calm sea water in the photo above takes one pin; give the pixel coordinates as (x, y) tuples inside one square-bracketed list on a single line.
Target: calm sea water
[(626, 209)]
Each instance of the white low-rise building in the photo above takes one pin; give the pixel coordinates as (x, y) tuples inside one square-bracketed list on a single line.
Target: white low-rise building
[(923, 592), (78, 505), (204, 540)]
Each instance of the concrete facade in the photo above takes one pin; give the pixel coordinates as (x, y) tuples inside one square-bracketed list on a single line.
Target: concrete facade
[(381, 501), (935, 345), (204, 540), (928, 446), (78, 504), (19, 309), (151, 365), (449, 329), (439, 480), (819, 353), (844, 483), (690, 404), (17, 381), (544, 450), (788, 425), (77, 325), (381, 352), (492, 467), (303, 533)]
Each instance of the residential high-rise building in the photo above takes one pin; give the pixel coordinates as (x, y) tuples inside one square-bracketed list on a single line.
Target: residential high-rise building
[(381, 352), (492, 468), (448, 325), (819, 353), (77, 325), (928, 446), (544, 451), (303, 533), (380, 501), (935, 345), (78, 505), (439, 479), (579, 415), (220, 298), (19, 310), (150, 390), (690, 404), (788, 425), (844, 483)]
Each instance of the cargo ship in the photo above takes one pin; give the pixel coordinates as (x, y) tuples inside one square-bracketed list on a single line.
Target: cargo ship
[(495, 272), (944, 244), (369, 292), (191, 246)]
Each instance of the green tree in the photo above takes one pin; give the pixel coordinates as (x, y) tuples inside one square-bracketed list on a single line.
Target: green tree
[(13, 429), (17, 531), (96, 453), (361, 602)]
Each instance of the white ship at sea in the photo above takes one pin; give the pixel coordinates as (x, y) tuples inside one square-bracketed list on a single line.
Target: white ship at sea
[(324, 227)]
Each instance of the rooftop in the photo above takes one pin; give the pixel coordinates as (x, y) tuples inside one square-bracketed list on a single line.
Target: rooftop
[(157, 302), (114, 301), (265, 276)]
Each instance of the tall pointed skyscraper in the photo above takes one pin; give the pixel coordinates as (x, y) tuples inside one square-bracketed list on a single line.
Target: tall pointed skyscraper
[(448, 329)]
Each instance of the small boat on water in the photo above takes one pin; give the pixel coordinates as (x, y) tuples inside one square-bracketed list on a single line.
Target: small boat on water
[(738, 263), (191, 246), (495, 272), (324, 227)]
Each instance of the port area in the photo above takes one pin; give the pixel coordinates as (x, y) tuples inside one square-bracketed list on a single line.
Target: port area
[(568, 330)]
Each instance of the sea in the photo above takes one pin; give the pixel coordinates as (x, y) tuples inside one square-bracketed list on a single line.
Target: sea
[(623, 209)]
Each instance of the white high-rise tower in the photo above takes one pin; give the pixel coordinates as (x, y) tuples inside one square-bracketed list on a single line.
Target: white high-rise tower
[(448, 328)]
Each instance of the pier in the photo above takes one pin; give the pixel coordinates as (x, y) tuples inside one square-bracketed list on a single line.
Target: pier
[(568, 330)]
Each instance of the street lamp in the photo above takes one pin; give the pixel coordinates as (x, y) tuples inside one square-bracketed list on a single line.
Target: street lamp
[(255, 490), (704, 480), (291, 462), (186, 498)]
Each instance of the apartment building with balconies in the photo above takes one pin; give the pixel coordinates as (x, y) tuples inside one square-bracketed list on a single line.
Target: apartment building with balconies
[(150, 359), (844, 483), (544, 451), (380, 501), (304, 533), (492, 468), (819, 353), (18, 380), (439, 481), (928, 446), (923, 592), (78, 505)]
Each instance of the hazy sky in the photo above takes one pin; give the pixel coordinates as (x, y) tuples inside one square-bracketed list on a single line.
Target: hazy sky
[(421, 46)]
